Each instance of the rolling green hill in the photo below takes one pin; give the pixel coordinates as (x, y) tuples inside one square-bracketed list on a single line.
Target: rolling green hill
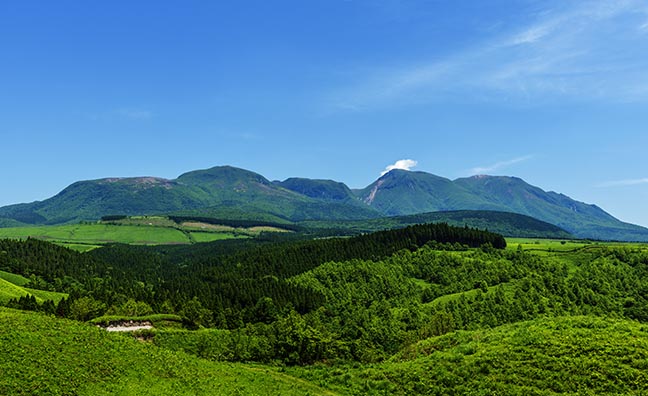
[(12, 287), (547, 356), (427, 309), (46, 356)]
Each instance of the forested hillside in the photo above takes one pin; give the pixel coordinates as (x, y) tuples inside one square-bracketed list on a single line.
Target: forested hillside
[(225, 282), (374, 305)]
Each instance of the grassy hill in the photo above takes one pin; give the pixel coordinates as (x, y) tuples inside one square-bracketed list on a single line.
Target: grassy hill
[(47, 356), (385, 313), (12, 287), (546, 356)]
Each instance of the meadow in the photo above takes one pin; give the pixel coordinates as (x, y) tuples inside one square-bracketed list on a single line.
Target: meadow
[(143, 231)]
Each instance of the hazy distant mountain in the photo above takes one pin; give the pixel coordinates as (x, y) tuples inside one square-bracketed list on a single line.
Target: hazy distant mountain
[(226, 190)]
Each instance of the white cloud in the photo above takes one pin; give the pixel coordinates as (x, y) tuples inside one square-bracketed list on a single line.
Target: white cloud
[(480, 170), (582, 51), (627, 182), (404, 164)]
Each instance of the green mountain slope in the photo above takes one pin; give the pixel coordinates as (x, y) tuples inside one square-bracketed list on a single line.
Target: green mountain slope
[(227, 191), (402, 193), (583, 220), (221, 188), (47, 356)]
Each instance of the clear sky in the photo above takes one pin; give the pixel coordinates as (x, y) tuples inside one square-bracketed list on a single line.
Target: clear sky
[(554, 92)]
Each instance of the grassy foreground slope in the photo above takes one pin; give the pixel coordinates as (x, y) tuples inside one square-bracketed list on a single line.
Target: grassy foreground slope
[(581, 355), (46, 356)]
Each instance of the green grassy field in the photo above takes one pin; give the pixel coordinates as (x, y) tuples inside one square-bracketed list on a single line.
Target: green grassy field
[(99, 234), (213, 236), (84, 237), (563, 245), (135, 230), (10, 291), (48, 356), (13, 278), (545, 245)]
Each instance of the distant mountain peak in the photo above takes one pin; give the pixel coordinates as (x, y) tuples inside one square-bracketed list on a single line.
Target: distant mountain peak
[(222, 174)]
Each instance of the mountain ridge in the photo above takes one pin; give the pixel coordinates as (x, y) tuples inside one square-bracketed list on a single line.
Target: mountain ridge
[(396, 193)]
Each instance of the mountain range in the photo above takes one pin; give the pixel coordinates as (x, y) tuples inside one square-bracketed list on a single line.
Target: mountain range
[(230, 192)]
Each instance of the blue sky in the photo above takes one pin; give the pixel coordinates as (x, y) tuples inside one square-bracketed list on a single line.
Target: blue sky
[(554, 92)]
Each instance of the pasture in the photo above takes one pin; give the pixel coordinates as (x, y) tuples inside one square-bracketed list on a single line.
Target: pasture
[(87, 236)]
